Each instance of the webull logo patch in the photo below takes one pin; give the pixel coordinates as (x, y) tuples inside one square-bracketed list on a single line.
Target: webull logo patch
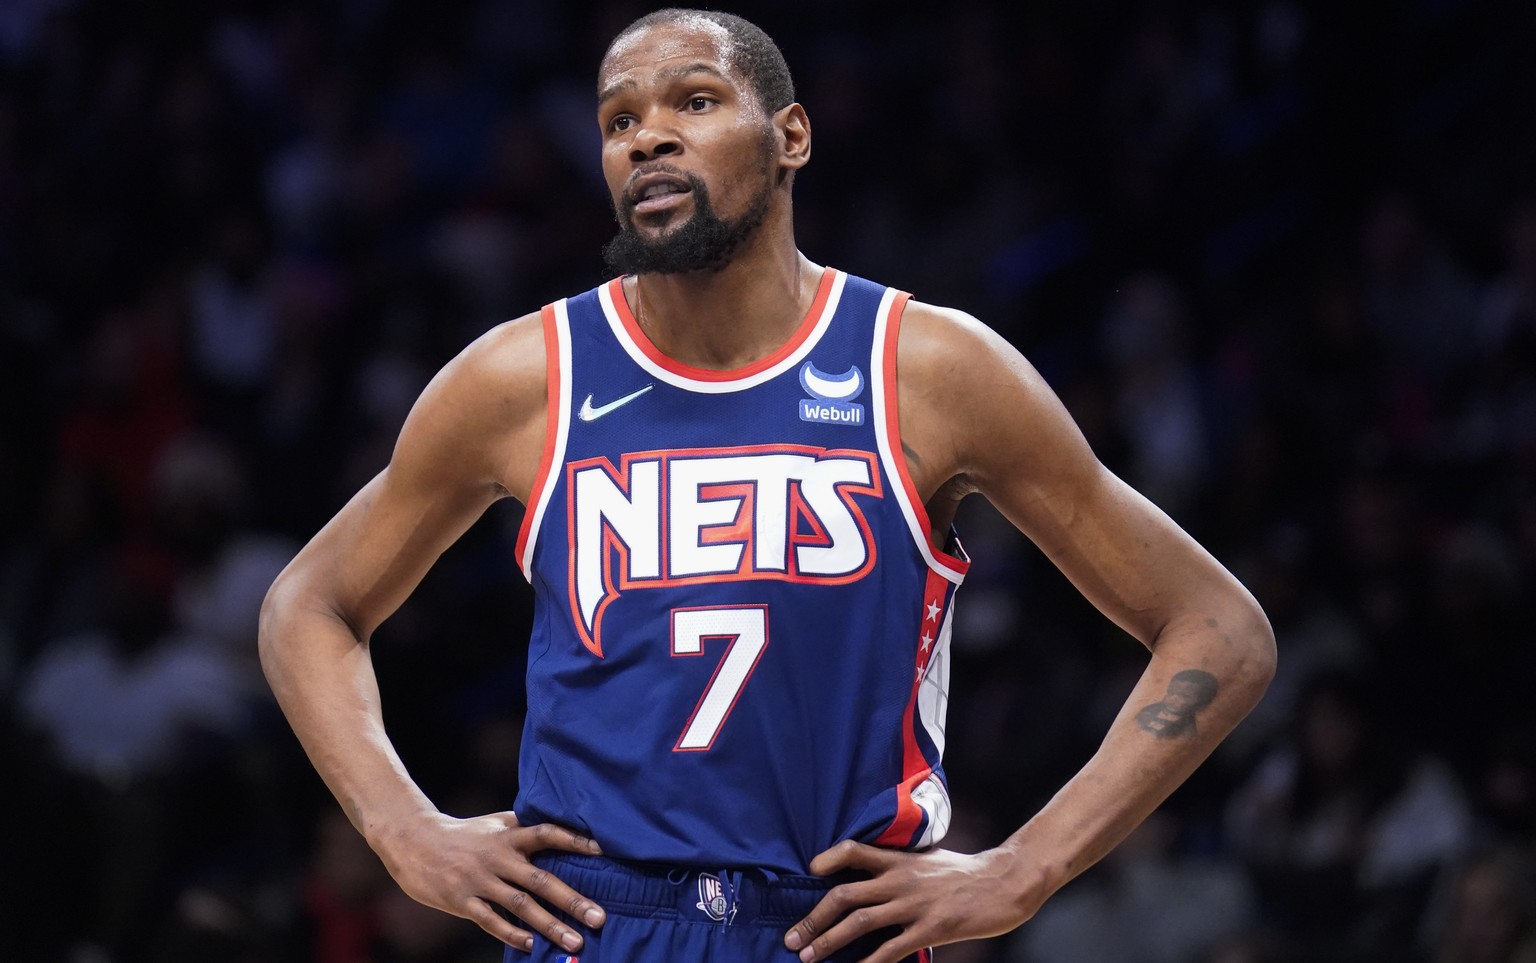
[(831, 400)]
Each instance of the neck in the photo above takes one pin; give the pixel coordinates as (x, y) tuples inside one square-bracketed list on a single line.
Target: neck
[(727, 319)]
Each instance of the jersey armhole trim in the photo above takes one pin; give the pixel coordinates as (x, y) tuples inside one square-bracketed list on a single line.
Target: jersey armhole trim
[(888, 437), (556, 423)]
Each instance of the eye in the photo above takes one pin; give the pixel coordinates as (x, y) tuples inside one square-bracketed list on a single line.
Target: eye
[(620, 123), (699, 103)]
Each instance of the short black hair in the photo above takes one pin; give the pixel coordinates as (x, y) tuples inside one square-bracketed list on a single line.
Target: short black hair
[(752, 52)]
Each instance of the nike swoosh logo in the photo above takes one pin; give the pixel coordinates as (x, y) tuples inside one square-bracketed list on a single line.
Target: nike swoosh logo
[(589, 413)]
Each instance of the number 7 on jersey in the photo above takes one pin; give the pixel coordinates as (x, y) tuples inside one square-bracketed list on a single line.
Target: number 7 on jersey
[(745, 630)]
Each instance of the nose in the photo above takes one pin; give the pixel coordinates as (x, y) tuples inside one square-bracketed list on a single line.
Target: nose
[(652, 141)]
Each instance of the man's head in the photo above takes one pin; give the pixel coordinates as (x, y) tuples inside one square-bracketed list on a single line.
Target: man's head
[(700, 138), (1190, 691), (749, 52)]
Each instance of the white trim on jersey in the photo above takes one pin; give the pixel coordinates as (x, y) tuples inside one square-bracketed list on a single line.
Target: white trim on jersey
[(884, 442), (555, 445), (933, 694), (834, 295), (933, 709)]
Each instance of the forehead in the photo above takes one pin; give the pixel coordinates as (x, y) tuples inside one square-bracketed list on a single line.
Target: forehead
[(694, 40)]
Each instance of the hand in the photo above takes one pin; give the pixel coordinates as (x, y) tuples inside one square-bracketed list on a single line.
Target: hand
[(934, 897), (466, 867)]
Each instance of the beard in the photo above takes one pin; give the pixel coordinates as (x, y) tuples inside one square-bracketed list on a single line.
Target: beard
[(703, 242)]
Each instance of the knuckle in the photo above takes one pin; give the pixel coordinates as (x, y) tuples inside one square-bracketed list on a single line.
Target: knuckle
[(484, 917), (538, 878), (518, 901), (810, 926)]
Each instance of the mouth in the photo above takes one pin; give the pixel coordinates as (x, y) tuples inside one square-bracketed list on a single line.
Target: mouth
[(656, 192)]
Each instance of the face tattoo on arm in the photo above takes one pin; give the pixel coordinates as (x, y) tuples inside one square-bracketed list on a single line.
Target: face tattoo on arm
[(1188, 692)]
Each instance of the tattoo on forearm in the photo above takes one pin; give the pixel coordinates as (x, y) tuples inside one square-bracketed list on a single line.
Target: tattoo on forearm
[(1188, 692)]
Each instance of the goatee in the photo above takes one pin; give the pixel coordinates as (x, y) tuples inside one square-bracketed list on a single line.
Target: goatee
[(703, 242)]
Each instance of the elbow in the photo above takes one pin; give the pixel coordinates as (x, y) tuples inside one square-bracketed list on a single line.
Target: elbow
[(299, 614), (1256, 657), (269, 631)]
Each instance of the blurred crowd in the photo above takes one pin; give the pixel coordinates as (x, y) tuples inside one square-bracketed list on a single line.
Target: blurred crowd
[(1278, 258)]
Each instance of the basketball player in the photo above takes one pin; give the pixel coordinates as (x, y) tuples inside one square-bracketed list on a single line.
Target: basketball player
[(740, 470)]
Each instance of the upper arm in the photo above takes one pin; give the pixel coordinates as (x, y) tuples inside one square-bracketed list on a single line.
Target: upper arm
[(978, 417), (473, 436)]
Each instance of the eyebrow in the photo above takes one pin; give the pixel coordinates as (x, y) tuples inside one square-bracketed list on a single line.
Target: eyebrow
[(666, 74)]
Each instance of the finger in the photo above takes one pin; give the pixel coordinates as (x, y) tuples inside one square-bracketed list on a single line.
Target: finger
[(527, 909), (864, 919), (835, 905), (481, 914), (851, 855), (555, 892), (532, 839)]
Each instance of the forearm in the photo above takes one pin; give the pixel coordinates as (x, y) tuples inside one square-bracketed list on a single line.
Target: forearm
[(1149, 750), (322, 675)]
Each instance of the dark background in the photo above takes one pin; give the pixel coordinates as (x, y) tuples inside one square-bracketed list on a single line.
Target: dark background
[(1278, 258)]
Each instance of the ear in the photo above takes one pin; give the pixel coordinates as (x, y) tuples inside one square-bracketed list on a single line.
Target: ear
[(795, 131)]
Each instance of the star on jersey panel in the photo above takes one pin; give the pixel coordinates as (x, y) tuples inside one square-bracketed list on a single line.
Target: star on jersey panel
[(739, 654)]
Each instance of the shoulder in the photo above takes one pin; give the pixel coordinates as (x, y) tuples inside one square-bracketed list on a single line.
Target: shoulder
[(951, 362), (503, 367), (975, 409), (947, 352)]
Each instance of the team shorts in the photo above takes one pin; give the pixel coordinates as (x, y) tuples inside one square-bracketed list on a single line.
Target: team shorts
[(660, 914)]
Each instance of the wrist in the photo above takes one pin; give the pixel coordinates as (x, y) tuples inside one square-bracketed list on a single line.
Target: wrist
[(1029, 874), (387, 826)]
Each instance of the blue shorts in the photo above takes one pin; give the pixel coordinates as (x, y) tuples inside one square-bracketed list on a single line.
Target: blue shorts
[(686, 915)]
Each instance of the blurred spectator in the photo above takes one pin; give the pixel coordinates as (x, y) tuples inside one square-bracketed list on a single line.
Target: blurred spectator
[(1509, 309), (1490, 916), (1418, 299), (223, 569), (131, 714), (1146, 903), (1345, 827), (1146, 337), (340, 893)]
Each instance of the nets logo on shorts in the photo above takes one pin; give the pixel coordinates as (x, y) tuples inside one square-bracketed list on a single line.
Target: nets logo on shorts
[(712, 899)]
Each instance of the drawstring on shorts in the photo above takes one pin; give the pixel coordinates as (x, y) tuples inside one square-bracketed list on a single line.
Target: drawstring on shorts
[(730, 882)]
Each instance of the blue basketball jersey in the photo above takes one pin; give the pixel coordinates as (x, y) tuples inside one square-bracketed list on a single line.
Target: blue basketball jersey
[(740, 651)]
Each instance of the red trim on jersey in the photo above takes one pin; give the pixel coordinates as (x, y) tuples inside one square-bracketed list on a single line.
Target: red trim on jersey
[(893, 434), (551, 431), (643, 341), (914, 767)]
